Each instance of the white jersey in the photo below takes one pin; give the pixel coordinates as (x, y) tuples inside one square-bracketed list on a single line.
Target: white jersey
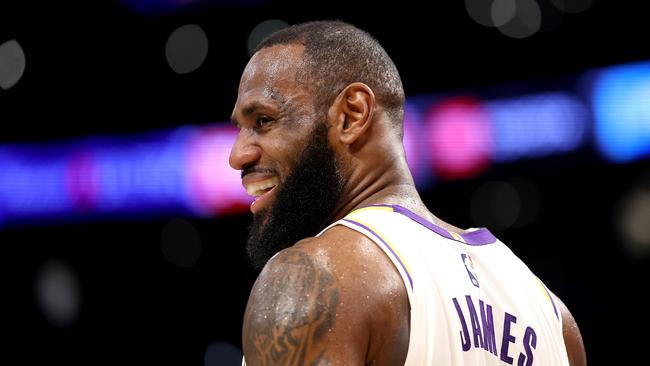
[(473, 302)]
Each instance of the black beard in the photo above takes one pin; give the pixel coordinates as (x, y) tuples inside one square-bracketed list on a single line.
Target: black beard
[(302, 205)]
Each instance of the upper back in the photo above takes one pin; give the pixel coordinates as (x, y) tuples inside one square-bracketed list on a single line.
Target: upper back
[(472, 300)]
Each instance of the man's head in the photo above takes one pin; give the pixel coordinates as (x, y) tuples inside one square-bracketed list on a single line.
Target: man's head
[(306, 98), (338, 54)]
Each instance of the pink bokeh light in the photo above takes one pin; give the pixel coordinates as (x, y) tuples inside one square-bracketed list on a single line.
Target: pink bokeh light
[(460, 138), (214, 187)]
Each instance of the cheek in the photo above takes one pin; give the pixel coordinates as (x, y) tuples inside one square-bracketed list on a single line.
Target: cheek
[(284, 149)]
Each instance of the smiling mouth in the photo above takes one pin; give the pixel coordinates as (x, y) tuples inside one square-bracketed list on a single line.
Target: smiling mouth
[(257, 189)]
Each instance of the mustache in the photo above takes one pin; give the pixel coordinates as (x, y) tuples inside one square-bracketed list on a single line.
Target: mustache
[(258, 169)]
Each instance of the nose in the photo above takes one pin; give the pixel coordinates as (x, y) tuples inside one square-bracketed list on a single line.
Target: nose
[(245, 152)]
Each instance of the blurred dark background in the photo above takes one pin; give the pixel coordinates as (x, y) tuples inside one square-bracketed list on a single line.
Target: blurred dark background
[(119, 289)]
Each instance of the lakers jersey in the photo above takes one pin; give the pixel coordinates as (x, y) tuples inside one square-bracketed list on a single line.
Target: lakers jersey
[(473, 302)]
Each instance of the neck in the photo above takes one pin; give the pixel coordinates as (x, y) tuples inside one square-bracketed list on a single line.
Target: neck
[(388, 186)]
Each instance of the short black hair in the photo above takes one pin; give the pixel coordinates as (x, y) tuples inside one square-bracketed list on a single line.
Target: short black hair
[(338, 54)]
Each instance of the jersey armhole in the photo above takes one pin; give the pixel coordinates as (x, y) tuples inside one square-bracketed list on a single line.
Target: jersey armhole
[(388, 249), (552, 300)]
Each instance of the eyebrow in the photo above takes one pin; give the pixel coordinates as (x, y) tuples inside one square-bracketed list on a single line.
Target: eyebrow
[(247, 111), (253, 107)]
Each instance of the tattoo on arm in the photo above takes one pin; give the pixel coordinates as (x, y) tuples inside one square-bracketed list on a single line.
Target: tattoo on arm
[(291, 310)]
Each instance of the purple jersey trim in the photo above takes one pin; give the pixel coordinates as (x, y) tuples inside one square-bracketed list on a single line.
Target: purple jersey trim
[(385, 245), (481, 236), (551, 298)]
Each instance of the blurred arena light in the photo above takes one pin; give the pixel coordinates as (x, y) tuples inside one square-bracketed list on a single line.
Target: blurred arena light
[(621, 107), (480, 11), (12, 63), (634, 220), (186, 48), (495, 205), (513, 18), (464, 135), (502, 11), (212, 185), (537, 125), (58, 293), (530, 201), (33, 183), (131, 175), (526, 21), (185, 170), (262, 30), (460, 138), (415, 144), (180, 242)]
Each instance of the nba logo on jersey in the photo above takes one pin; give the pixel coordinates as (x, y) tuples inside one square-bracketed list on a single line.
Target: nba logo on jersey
[(469, 266)]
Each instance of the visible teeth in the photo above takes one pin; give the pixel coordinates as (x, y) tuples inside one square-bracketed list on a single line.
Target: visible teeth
[(258, 188)]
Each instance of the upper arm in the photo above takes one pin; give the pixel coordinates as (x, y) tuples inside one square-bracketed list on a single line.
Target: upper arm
[(572, 337), (294, 316)]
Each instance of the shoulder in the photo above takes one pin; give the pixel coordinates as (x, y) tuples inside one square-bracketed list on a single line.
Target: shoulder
[(295, 314), (341, 265), (572, 336), (326, 292), (295, 280), (361, 269)]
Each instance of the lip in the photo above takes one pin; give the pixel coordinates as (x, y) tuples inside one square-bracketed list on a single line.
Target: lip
[(254, 178), (263, 201)]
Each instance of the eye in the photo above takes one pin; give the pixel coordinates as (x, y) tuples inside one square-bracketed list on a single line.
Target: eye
[(261, 121)]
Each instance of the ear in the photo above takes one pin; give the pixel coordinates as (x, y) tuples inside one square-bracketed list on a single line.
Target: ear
[(353, 110)]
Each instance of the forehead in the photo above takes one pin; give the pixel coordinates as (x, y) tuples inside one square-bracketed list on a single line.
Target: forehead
[(271, 73)]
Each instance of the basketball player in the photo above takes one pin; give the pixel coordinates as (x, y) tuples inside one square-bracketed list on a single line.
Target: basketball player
[(356, 270)]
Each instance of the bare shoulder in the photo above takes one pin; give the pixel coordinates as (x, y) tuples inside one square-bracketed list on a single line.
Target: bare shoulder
[(572, 336), (291, 308), (312, 304)]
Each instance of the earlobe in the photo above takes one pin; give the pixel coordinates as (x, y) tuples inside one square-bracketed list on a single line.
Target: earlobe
[(356, 106)]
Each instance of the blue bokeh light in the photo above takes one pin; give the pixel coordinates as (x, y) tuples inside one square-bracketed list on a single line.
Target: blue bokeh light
[(621, 105)]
